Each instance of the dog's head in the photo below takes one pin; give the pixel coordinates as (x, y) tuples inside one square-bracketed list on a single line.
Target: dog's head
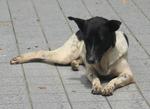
[(98, 35)]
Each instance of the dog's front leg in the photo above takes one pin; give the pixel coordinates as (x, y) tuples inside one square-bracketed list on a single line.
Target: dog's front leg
[(124, 77), (96, 84)]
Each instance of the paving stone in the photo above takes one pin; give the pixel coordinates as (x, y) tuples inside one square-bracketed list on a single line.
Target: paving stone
[(10, 70), (40, 69), (143, 5), (131, 10), (46, 89), (53, 23), (10, 81), (130, 104), (78, 88), (144, 85), (70, 8), (43, 80), (4, 12), (49, 98), (90, 105), (13, 98), (146, 95), (4, 90), (15, 106), (85, 97), (61, 105), (128, 95)]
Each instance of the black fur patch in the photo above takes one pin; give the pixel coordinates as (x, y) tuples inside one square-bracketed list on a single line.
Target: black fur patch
[(126, 38), (98, 35)]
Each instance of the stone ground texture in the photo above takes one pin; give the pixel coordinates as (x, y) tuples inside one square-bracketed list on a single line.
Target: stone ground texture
[(31, 25)]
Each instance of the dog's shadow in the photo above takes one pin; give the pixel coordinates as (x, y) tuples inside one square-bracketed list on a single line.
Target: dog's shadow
[(83, 78)]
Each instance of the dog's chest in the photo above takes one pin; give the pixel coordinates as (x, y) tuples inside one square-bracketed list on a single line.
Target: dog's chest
[(101, 71)]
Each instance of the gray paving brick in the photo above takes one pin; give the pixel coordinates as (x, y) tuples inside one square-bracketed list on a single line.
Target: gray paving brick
[(4, 12), (4, 90), (143, 5), (10, 71), (73, 77), (11, 81), (15, 106), (61, 105), (7, 41), (130, 104), (40, 70), (146, 95), (43, 80), (144, 85), (49, 98), (136, 17), (128, 95), (85, 97), (128, 88), (136, 52), (79, 79), (7, 52), (142, 77), (13, 98), (46, 89), (90, 105), (78, 88), (52, 21), (71, 8), (147, 47)]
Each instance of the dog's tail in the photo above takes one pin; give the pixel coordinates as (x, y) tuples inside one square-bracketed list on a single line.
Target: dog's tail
[(64, 55)]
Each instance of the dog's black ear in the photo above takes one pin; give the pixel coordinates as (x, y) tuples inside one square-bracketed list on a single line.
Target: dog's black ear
[(79, 22), (113, 25), (113, 40)]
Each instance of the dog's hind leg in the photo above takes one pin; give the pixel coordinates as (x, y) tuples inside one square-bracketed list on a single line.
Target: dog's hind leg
[(44, 56), (64, 55)]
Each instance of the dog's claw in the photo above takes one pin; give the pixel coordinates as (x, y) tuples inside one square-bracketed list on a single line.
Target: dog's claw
[(15, 60), (108, 90), (95, 92), (96, 89)]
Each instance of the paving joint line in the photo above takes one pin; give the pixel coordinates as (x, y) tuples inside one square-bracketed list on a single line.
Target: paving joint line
[(92, 16), (137, 6), (42, 30), (39, 22), (132, 34), (136, 40), (63, 13), (23, 71)]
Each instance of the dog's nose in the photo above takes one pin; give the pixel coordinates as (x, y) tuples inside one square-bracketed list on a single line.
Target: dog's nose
[(90, 60)]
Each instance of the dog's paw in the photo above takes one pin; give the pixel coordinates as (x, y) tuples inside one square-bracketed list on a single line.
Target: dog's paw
[(96, 88), (75, 65), (108, 90), (16, 60)]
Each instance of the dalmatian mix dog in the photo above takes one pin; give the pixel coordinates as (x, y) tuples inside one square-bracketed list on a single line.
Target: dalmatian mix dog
[(99, 46)]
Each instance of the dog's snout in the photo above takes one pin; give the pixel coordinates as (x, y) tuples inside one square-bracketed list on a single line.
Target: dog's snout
[(91, 60)]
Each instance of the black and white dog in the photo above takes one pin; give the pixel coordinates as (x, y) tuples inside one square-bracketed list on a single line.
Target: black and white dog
[(99, 46)]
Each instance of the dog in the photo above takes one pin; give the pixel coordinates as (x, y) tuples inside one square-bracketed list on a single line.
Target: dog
[(99, 45)]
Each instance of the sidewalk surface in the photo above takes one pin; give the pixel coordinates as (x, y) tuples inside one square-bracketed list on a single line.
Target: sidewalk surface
[(31, 25)]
